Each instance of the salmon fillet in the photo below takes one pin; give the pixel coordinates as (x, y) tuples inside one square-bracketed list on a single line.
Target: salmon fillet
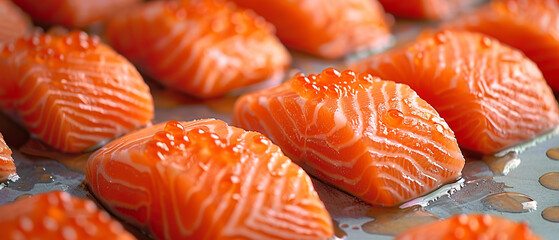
[(325, 28), (73, 13), (374, 139), (491, 95), (72, 91), (206, 180), (425, 9), (205, 48)]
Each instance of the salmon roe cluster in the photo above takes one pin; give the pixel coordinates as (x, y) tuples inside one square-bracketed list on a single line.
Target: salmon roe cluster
[(330, 83), (52, 46), (174, 139), (224, 16)]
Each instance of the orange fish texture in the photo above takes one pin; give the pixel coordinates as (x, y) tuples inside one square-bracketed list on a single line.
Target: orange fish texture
[(492, 96), (73, 13), (325, 28), (470, 227), (58, 215), (72, 91), (529, 25), (206, 180), (375, 139), (7, 166), (205, 48)]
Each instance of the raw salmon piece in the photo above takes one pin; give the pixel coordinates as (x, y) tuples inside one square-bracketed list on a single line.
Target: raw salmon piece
[(205, 48), (13, 22), (58, 215), (72, 91), (326, 28), (206, 180), (491, 95), (73, 13), (375, 139), (425, 9), (529, 25), (7, 166), (470, 227)]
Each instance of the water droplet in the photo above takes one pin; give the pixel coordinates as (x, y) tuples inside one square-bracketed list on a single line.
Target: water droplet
[(439, 128), (338, 231), (553, 153), (393, 117), (236, 196), (46, 178), (174, 128), (502, 165), (234, 179), (486, 42), (510, 202), (440, 38), (550, 180), (330, 73), (418, 58), (35, 41), (551, 214)]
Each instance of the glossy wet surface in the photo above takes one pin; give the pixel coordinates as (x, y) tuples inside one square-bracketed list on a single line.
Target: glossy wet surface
[(553, 153), (510, 202), (550, 180), (551, 214)]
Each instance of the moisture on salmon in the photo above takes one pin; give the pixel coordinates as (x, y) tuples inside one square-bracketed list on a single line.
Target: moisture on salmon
[(326, 28), (374, 139), (491, 95), (206, 180), (205, 48), (72, 91)]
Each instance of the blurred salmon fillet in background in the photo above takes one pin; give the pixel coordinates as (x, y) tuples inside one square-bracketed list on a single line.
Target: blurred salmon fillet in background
[(73, 13), (205, 48), (426, 9), (325, 28), (13, 22)]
